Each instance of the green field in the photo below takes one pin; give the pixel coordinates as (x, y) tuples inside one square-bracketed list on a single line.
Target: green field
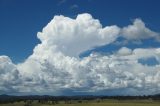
[(94, 103)]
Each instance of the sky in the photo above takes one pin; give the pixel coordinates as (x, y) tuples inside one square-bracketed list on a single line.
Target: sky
[(48, 46)]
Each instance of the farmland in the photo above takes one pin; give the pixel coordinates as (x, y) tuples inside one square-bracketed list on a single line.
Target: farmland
[(106, 102)]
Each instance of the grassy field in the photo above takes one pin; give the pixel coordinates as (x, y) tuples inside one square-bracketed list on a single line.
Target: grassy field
[(94, 103)]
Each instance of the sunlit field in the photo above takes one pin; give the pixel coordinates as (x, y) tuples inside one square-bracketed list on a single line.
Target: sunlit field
[(90, 103)]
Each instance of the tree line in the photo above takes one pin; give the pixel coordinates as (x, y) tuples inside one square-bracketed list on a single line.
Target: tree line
[(67, 99)]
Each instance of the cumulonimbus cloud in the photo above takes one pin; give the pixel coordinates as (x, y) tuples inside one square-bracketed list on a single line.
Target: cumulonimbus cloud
[(55, 66), (73, 36)]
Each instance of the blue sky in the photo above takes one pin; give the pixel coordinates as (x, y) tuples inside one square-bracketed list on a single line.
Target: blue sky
[(76, 47), (20, 20)]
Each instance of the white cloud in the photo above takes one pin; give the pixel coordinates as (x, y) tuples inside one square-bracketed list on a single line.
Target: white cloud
[(54, 65), (9, 75), (73, 36), (125, 51), (138, 31)]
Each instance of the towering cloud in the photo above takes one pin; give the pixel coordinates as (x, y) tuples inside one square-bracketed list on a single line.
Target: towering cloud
[(55, 67), (73, 36)]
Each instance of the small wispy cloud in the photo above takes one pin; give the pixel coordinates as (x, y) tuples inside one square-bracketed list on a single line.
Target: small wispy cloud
[(74, 6), (89, 0), (61, 2)]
